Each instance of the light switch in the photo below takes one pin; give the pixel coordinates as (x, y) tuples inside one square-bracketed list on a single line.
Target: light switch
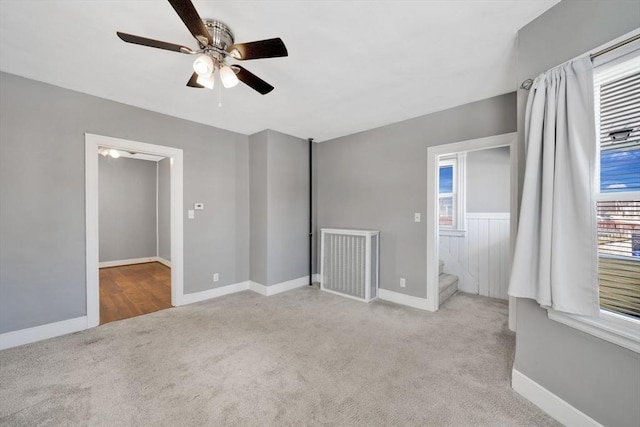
[(198, 206), (416, 217), (191, 214)]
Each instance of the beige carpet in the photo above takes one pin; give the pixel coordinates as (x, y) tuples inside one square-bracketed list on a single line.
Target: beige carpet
[(303, 357)]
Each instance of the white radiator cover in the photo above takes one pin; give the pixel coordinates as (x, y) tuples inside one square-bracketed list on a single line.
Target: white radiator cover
[(349, 262)]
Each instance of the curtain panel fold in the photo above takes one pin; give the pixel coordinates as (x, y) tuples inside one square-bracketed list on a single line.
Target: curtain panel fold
[(555, 259)]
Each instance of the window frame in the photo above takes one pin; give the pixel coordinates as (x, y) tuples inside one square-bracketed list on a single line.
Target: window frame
[(616, 328), (458, 224)]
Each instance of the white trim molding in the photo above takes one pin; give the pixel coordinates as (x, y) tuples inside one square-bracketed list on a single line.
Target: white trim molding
[(164, 262), (620, 330), (403, 299), (488, 215), (549, 402), (175, 155), (214, 293), (279, 287), (42, 332), (118, 263), (452, 233)]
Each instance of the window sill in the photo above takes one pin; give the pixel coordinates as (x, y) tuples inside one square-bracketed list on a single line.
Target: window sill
[(620, 330), (452, 232)]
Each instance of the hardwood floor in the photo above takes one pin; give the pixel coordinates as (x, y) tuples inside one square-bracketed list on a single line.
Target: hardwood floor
[(132, 290)]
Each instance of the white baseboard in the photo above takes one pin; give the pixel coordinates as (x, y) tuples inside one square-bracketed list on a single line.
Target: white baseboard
[(127, 262), (43, 332), (403, 299), (258, 288), (214, 293), (549, 402), (279, 287), (316, 278), (163, 261)]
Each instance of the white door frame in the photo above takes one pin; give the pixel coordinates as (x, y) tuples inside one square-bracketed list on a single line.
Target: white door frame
[(504, 140), (92, 143)]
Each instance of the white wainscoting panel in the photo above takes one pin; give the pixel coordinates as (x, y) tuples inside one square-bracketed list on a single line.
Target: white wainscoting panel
[(481, 257)]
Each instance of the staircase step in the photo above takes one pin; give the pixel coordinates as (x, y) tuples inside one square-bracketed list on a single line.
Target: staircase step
[(445, 280), (447, 285), (441, 267)]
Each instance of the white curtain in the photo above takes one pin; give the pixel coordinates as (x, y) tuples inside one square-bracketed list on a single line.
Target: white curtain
[(555, 260)]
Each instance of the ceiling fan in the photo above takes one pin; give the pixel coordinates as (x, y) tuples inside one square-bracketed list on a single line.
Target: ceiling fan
[(216, 43)]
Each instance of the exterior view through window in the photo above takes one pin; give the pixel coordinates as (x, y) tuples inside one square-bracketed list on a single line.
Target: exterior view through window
[(617, 100), (446, 196)]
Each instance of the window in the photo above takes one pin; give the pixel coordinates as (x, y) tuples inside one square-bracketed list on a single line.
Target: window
[(451, 192), (446, 194), (617, 102), (617, 113)]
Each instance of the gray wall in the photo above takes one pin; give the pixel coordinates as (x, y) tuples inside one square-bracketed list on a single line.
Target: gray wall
[(488, 177), (597, 377), (127, 208), (279, 198), (258, 193), (42, 223), (164, 209), (242, 253), (377, 179), (288, 205)]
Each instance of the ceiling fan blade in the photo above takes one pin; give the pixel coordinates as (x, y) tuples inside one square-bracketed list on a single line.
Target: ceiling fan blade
[(251, 80), (270, 48), (189, 15), (130, 38), (193, 81)]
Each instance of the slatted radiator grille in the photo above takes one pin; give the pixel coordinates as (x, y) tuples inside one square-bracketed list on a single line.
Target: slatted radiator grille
[(350, 263)]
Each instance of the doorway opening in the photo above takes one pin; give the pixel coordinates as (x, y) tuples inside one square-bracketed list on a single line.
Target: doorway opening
[(121, 269), (134, 233), (472, 202)]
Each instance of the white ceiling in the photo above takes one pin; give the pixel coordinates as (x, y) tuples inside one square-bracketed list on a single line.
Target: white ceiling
[(352, 65)]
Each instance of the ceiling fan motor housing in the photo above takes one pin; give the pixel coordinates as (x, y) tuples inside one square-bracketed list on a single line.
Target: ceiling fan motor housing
[(221, 35)]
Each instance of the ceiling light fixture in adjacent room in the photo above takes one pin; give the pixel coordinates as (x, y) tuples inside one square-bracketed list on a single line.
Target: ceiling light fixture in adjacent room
[(109, 152)]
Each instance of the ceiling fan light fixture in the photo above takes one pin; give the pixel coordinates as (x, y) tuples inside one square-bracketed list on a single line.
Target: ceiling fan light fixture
[(203, 65), (206, 81), (228, 77)]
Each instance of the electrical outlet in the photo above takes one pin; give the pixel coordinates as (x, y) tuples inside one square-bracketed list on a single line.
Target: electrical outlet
[(216, 277), (416, 217), (403, 282)]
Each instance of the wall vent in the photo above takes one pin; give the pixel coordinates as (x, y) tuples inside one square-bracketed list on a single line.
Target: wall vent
[(349, 263)]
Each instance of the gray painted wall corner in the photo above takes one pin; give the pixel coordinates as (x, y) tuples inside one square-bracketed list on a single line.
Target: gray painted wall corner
[(258, 216), (288, 208), (278, 207), (127, 208)]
